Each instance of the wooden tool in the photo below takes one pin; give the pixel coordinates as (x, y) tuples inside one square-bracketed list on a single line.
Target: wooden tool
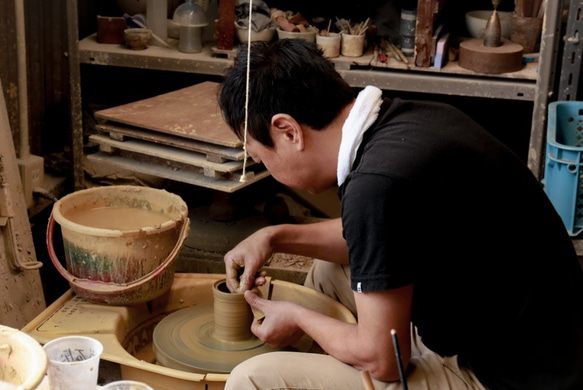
[(366, 380)]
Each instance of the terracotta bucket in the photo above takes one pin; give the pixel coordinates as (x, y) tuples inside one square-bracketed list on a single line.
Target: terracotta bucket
[(120, 242)]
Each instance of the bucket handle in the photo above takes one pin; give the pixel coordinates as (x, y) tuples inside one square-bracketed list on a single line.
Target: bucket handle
[(89, 283)]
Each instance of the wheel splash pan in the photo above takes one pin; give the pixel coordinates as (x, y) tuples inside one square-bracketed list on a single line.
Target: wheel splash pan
[(126, 331)]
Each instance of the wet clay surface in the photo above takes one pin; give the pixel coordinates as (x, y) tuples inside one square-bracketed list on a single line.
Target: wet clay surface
[(186, 340), (210, 337)]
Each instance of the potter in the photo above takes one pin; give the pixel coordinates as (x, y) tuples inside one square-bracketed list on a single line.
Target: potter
[(399, 164)]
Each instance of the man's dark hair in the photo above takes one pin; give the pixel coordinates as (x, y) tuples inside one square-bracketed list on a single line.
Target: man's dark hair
[(288, 76)]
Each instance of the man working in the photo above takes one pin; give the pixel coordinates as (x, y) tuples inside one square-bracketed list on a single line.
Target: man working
[(445, 237)]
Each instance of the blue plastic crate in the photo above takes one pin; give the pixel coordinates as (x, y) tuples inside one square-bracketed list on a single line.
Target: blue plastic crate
[(562, 177)]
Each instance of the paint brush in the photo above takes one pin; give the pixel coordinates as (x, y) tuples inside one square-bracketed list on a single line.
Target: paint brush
[(399, 361)]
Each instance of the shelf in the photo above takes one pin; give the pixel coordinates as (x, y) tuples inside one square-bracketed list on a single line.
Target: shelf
[(154, 57), (358, 71), (534, 83)]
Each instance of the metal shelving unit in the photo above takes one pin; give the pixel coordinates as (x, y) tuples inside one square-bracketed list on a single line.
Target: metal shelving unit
[(534, 83)]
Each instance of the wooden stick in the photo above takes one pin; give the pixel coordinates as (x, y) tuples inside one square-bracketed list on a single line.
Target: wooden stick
[(367, 380), (536, 8), (364, 26), (398, 54), (399, 361), (529, 8), (347, 27), (520, 8), (541, 9)]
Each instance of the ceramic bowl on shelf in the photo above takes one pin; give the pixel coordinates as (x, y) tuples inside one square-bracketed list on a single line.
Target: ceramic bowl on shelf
[(476, 23), (242, 33), (309, 35), (137, 38)]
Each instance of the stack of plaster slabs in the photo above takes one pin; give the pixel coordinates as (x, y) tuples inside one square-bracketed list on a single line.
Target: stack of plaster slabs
[(180, 136)]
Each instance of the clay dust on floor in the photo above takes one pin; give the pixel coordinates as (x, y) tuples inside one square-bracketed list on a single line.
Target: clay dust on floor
[(288, 261)]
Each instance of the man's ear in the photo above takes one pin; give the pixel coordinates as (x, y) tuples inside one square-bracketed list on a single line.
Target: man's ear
[(285, 128)]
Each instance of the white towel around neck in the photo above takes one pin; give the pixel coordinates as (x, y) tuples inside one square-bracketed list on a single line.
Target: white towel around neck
[(362, 115)]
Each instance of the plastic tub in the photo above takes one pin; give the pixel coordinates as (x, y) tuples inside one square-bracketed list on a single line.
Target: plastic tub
[(562, 177)]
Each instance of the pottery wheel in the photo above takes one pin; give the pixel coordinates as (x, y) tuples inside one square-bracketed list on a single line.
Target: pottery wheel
[(184, 340)]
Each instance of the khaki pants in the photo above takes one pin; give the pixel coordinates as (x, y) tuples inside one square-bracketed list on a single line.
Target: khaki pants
[(305, 371)]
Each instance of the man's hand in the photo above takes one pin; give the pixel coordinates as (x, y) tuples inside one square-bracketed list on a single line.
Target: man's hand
[(242, 263), (277, 327)]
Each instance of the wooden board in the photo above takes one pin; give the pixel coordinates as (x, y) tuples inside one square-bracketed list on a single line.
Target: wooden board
[(228, 185), (215, 153), (191, 112), (166, 155), (22, 297), (427, 11)]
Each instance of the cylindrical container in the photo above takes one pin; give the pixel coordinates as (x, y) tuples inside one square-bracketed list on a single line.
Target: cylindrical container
[(232, 313), (191, 20), (156, 17), (137, 38), (352, 45), (120, 242), (73, 362), (526, 31), (407, 30), (330, 45), (190, 40)]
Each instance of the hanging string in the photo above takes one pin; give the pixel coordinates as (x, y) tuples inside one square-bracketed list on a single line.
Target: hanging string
[(244, 176)]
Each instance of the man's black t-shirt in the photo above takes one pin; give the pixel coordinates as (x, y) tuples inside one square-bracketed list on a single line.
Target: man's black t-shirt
[(435, 200)]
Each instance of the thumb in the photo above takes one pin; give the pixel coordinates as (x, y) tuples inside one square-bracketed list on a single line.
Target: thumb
[(257, 304)]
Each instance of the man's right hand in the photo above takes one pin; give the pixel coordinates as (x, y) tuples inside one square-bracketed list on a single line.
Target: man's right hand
[(243, 262)]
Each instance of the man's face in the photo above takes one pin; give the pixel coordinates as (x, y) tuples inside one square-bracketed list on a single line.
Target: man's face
[(285, 163)]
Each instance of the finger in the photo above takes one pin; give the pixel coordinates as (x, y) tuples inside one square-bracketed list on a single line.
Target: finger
[(233, 277), (260, 279), (254, 300), (255, 327)]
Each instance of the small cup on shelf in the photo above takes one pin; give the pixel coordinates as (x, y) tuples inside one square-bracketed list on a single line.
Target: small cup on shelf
[(352, 45), (330, 44), (137, 38)]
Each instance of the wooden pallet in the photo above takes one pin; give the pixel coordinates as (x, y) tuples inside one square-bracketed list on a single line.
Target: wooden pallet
[(226, 183), (214, 153), (171, 163), (166, 154)]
